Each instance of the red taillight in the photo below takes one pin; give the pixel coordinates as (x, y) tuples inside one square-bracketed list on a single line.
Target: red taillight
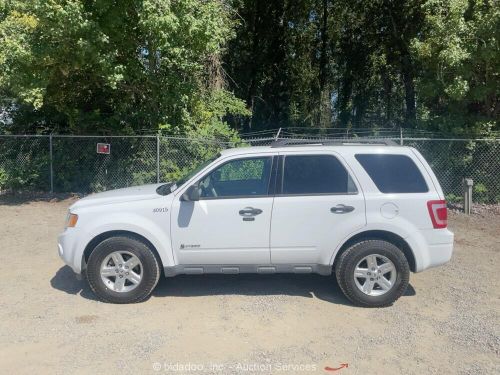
[(438, 213)]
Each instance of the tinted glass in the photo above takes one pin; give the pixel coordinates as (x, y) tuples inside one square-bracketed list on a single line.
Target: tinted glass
[(315, 174), (393, 173), (241, 177)]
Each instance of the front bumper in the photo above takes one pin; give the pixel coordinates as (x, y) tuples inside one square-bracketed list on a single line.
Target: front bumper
[(67, 246)]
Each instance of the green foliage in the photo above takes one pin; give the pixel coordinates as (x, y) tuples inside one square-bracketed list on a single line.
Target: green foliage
[(430, 64), (480, 193), (452, 198), (78, 168), (459, 50), (24, 164), (84, 66), (182, 155), (190, 66), (204, 70), (28, 178), (4, 178), (242, 170)]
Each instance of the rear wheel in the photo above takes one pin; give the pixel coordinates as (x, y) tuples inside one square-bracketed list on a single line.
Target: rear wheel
[(373, 273), (122, 270)]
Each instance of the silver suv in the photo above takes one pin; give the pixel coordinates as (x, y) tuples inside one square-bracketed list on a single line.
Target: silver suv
[(369, 212)]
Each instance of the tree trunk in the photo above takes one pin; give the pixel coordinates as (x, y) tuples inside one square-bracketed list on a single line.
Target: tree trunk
[(252, 87), (387, 84), (324, 94), (344, 100), (323, 54), (409, 85)]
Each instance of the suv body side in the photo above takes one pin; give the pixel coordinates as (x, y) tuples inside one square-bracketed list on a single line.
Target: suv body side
[(316, 242), (294, 233)]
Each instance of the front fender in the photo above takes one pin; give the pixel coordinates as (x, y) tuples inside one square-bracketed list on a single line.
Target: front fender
[(128, 222)]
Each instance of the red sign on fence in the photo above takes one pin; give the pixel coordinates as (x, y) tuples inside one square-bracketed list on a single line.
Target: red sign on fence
[(103, 148)]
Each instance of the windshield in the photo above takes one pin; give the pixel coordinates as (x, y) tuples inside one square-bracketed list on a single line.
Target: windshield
[(170, 188)]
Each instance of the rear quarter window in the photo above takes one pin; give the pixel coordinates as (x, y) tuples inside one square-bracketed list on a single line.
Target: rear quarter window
[(393, 173)]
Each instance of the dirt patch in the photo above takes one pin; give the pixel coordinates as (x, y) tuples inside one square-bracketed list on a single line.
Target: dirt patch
[(50, 322), (85, 319)]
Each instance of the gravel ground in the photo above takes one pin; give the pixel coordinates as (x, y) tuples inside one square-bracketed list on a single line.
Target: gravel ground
[(447, 323)]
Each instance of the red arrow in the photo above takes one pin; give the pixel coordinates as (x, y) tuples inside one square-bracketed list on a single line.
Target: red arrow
[(342, 365)]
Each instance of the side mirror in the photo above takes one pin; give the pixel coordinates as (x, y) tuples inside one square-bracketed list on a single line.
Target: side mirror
[(191, 194)]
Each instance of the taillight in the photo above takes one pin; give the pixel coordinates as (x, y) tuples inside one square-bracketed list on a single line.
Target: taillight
[(438, 213)]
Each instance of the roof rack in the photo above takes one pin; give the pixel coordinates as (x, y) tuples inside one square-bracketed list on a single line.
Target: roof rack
[(332, 142)]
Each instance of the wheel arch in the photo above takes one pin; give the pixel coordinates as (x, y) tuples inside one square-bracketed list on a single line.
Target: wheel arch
[(116, 233), (388, 236)]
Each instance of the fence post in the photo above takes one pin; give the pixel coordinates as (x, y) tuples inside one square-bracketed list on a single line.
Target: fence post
[(401, 136), (277, 134), (51, 158), (158, 158), (467, 185)]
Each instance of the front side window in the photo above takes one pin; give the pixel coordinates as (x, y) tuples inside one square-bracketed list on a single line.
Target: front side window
[(315, 174), (238, 178), (393, 173)]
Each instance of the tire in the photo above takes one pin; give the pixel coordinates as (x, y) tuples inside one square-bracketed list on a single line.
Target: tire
[(146, 270), (387, 257)]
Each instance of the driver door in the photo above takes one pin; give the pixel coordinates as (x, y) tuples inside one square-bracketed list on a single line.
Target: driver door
[(230, 222)]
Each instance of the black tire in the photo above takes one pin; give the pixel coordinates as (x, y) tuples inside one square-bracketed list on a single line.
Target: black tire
[(345, 265), (150, 270)]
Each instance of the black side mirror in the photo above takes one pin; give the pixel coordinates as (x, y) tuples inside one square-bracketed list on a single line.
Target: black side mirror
[(191, 194)]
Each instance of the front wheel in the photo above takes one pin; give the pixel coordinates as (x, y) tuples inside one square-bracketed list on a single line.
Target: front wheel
[(373, 273), (122, 270)]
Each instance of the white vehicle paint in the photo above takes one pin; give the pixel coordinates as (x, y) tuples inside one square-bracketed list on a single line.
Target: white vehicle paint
[(272, 231)]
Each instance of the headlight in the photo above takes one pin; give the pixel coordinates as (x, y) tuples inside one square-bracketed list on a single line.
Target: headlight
[(71, 220)]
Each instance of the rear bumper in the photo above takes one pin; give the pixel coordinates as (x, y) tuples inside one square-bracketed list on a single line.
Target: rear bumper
[(435, 250), (439, 254)]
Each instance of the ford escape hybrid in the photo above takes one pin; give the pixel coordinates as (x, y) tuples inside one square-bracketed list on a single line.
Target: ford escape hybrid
[(369, 212)]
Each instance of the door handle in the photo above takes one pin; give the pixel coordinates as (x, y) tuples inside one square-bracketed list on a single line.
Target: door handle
[(250, 211), (341, 209)]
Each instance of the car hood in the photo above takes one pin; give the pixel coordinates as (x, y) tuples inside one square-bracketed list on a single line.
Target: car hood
[(135, 193)]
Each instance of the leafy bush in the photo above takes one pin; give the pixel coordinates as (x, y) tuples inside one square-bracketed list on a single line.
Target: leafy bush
[(452, 198), (480, 193), (24, 164), (3, 179)]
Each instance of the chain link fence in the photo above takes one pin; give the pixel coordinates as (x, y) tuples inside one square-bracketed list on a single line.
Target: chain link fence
[(72, 164), (453, 160)]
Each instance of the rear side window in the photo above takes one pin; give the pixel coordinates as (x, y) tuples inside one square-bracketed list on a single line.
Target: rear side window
[(393, 173), (315, 174)]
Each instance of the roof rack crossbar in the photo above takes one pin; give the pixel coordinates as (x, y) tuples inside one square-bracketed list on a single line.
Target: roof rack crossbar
[(331, 142)]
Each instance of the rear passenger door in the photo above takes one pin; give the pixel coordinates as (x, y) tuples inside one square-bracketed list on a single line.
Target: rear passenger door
[(317, 204)]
